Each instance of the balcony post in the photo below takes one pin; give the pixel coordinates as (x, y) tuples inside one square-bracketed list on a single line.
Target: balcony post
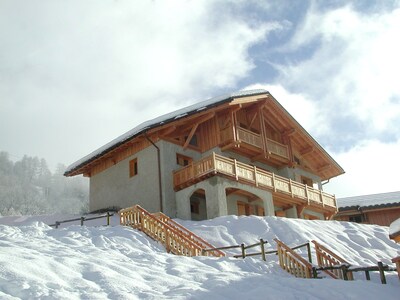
[(235, 169)]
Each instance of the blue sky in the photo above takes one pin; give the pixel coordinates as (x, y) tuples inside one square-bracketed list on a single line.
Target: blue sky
[(74, 75)]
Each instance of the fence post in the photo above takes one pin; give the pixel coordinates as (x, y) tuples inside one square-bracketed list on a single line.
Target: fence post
[(344, 271), (367, 275), (243, 251), (57, 224), (82, 219), (309, 252), (314, 271), (382, 272), (262, 250), (108, 219)]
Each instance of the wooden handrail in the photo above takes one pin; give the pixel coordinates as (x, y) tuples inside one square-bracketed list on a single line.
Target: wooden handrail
[(190, 235), (172, 235), (292, 262), (252, 175), (327, 258)]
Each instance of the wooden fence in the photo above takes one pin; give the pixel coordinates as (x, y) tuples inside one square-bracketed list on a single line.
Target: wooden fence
[(83, 219)]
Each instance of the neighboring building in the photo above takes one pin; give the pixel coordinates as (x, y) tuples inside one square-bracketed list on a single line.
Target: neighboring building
[(380, 209), (238, 154)]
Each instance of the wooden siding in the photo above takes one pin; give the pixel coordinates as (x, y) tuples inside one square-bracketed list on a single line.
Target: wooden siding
[(380, 216)]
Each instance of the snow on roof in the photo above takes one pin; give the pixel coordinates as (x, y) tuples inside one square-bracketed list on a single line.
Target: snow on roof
[(370, 200), (160, 121), (394, 228)]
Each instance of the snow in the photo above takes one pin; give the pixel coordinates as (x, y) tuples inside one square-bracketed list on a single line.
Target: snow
[(394, 227), (370, 200), (158, 121), (115, 262)]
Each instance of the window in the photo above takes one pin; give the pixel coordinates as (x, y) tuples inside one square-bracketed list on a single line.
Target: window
[(183, 160), (133, 167), (306, 181), (356, 219)]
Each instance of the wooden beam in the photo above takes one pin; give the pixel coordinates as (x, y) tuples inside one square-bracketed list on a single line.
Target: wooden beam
[(307, 150), (190, 136), (167, 131), (300, 209), (324, 168), (289, 132), (252, 118)]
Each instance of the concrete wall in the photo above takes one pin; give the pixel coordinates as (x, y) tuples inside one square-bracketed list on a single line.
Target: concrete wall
[(218, 204), (114, 187), (168, 165)]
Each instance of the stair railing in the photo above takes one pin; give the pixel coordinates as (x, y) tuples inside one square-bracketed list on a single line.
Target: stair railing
[(176, 239), (327, 258), (292, 262)]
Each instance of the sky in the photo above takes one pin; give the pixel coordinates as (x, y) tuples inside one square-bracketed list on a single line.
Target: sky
[(74, 75)]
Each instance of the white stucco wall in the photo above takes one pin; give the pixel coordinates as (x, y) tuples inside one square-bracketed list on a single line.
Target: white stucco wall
[(114, 187)]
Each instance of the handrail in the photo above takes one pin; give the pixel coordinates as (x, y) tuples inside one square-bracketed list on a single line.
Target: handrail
[(186, 232), (175, 240), (292, 262), (82, 219), (252, 175), (327, 258)]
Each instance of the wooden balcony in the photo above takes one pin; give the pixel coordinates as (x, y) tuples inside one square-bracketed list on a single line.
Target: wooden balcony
[(292, 191), (254, 141)]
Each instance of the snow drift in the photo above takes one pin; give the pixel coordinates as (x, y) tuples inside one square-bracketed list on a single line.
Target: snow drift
[(117, 262)]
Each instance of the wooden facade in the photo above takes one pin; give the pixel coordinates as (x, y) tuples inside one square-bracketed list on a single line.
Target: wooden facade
[(254, 126), (379, 209)]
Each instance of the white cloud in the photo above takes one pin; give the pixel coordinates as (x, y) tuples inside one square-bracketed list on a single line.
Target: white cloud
[(347, 89), (371, 167), (101, 68), (355, 67)]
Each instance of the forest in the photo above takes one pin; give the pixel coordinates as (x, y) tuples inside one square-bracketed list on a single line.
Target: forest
[(28, 187)]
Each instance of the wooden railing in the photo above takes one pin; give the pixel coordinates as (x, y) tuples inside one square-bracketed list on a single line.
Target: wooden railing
[(249, 137), (253, 139), (277, 148), (292, 262), (326, 258), (176, 238), (217, 164)]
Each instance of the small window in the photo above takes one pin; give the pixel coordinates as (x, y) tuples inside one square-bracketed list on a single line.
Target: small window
[(356, 219), (133, 167), (193, 141), (183, 160)]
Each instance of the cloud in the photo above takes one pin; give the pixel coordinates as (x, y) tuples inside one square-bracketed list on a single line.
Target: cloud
[(353, 68), (371, 167), (345, 92), (83, 73)]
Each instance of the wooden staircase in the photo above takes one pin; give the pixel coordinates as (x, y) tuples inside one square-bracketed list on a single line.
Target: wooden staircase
[(175, 238), (296, 265), (292, 262), (326, 258)]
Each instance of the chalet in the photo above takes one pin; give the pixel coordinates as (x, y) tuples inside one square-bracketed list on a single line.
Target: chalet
[(380, 209), (240, 154)]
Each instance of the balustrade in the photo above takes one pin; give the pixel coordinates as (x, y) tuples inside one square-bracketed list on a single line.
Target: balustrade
[(248, 174)]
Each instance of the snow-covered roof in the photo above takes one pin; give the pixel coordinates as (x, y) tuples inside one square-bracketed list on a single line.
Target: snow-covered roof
[(394, 228), (164, 119), (370, 200)]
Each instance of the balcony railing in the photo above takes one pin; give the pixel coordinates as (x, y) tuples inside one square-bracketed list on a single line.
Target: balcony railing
[(252, 175), (254, 139)]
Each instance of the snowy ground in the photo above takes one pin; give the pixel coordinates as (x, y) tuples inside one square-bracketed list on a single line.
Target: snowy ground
[(99, 262)]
